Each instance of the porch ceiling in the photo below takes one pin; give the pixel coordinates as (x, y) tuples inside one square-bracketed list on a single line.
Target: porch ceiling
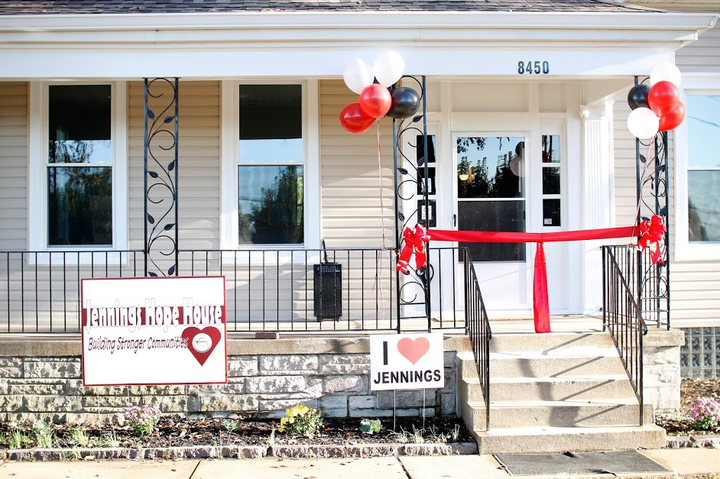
[(318, 44)]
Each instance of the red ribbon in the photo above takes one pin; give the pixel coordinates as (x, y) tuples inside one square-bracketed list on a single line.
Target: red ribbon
[(413, 244), (652, 236)]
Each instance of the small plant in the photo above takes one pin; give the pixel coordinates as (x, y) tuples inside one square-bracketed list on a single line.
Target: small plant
[(370, 426), (302, 420), (79, 437), (143, 419), (109, 439), (455, 433), (18, 440), (44, 434), (705, 414), (230, 425), (271, 439), (417, 436)]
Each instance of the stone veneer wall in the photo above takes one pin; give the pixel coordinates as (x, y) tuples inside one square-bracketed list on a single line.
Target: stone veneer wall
[(661, 369), (42, 379)]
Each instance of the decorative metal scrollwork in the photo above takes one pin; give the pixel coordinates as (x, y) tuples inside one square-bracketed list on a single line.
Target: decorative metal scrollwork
[(411, 177), (653, 283), (161, 177)]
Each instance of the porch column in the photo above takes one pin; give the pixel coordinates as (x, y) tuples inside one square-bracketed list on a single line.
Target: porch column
[(597, 197)]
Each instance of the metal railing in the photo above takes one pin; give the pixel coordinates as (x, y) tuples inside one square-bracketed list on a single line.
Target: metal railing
[(478, 328), (266, 290), (622, 315)]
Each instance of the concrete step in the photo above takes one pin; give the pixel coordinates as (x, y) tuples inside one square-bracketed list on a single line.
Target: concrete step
[(577, 363), (567, 413), (559, 439), (550, 342), (561, 388)]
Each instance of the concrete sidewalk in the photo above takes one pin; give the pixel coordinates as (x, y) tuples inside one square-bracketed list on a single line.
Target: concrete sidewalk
[(687, 463)]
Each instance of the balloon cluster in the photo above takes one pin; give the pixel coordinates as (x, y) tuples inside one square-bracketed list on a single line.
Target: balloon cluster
[(377, 99), (656, 107)]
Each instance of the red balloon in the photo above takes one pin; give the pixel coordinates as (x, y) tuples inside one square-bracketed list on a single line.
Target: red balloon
[(375, 100), (670, 121), (354, 120), (663, 97)]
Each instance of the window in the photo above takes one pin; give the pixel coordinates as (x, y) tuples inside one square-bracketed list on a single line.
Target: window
[(491, 193), (79, 165), (703, 169), (270, 165), (551, 180)]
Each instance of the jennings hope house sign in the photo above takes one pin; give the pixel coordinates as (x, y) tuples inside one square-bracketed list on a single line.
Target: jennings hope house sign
[(153, 331), (406, 361)]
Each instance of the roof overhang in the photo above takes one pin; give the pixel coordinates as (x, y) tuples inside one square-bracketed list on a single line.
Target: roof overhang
[(304, 44)]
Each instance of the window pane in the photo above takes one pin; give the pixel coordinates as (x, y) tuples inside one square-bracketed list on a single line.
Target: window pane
[(551, 149), (270, 206), (551, 180), (551, 212), (490, 167), (271, 124), (79, 124), (703, 117), (80, 206), (704, 205), (420, 150), (493, 216)]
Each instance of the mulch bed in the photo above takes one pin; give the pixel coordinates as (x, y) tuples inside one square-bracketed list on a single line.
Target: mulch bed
[(177, 431), (690, 389)]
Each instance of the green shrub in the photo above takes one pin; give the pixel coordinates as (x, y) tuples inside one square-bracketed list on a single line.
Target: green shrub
[(301, 420)]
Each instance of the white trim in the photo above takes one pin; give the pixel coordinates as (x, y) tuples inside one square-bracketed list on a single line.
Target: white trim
[(316, 44), (684, 250), (37, 170), (229, 153)]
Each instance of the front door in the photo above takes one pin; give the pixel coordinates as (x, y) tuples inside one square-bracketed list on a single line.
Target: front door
[(491, 194)]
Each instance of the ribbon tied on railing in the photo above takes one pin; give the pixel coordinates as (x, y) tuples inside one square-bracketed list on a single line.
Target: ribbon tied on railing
[(414, 243), (652, 236)]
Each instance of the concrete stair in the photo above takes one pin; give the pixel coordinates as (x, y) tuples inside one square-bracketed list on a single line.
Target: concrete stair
[(555, 393)]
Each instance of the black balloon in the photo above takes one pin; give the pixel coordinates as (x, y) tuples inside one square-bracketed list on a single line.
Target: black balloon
[(405, 102), (637, 97)]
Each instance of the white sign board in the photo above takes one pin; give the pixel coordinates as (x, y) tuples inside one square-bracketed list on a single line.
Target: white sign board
[(406, 361), (154, 331)]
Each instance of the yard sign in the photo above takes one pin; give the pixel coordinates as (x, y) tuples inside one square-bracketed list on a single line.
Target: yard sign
[(139, 331), (406, 361)]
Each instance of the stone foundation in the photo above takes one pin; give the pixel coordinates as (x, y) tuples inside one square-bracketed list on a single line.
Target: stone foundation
[(661, 369), (42, 379)]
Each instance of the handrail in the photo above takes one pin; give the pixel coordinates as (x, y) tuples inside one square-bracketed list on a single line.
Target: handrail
[(477, 326), (623, 318)]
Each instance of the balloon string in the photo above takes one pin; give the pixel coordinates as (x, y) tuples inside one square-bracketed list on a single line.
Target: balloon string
[(382, 217), (650, 159)]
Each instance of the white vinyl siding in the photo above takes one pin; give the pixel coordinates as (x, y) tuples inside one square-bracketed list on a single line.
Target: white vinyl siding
[(13, 165), (198, 163)]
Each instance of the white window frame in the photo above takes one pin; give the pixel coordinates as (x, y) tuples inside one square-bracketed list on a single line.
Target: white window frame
[(684, 249), (230, 131), (38, 166)]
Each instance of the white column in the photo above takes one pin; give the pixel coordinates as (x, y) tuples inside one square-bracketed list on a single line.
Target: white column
[(597, 195)]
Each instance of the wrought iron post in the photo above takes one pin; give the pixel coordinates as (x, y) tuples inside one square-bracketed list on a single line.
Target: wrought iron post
[(415, 290), (161, 177), (653, 281)]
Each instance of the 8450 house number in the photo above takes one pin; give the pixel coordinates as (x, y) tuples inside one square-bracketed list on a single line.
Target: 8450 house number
[(536, 67)]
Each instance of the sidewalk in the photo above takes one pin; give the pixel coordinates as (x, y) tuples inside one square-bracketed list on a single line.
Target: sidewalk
[(687, 463)]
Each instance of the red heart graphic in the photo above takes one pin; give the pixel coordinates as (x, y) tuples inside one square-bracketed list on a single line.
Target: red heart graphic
[(205, 349), (413, 349)]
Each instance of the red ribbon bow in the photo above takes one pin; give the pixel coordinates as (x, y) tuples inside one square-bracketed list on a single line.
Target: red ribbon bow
[(652, 236), (413, 244)]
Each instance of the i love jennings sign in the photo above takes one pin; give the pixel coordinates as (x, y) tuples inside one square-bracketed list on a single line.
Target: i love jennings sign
[(406, 361), (138, 331)]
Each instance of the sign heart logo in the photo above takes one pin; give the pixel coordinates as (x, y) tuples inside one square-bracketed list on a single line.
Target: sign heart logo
[(413, 349), (201, 343)]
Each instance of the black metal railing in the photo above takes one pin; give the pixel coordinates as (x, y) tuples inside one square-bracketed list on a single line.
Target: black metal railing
[(266, 290), (478, 328), (622, 315)]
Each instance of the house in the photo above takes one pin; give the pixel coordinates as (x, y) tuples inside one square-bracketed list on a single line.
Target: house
[(202, 137)]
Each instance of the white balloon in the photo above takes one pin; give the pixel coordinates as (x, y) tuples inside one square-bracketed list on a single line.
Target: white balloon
[(389, 67), (516, 166), (665, 72), (358, 75), (643, 123)]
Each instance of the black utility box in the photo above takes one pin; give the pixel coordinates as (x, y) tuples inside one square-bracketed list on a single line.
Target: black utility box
[(327, 288)]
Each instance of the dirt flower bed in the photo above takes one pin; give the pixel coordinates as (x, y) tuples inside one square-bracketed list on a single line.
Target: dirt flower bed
[(690, 389), (178, 431)]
